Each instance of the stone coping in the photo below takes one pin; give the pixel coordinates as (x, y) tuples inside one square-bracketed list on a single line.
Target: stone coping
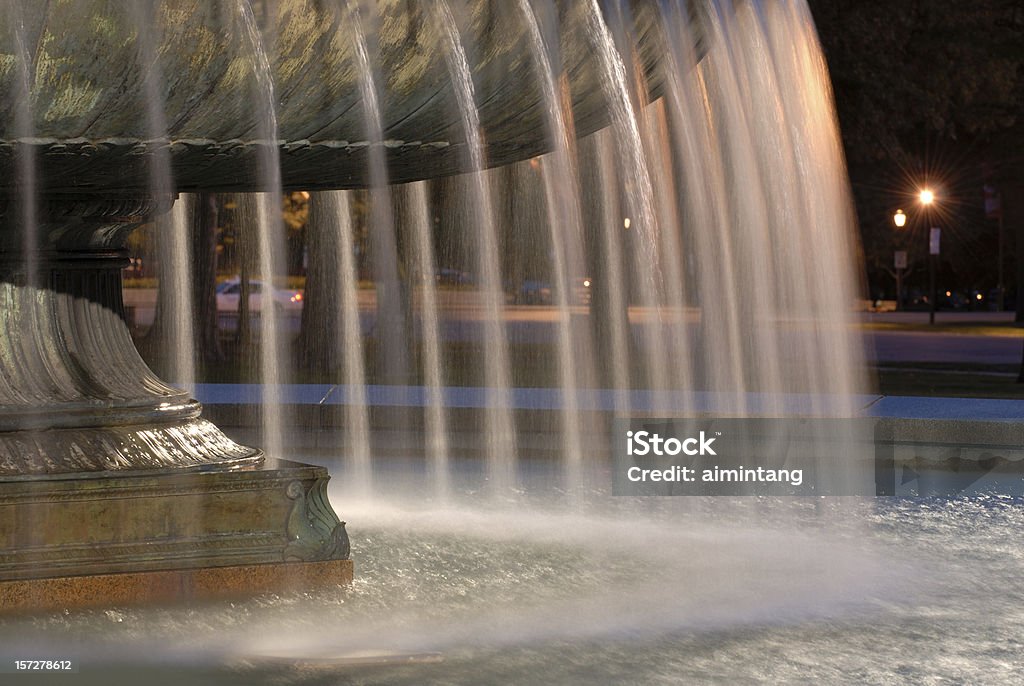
[(904, 407)]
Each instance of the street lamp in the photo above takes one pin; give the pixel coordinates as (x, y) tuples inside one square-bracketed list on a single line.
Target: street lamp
[(927, 198), (900, 259)]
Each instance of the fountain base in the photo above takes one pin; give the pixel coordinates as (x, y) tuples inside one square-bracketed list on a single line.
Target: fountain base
[(104, 539), (169, 587), (113, 488)]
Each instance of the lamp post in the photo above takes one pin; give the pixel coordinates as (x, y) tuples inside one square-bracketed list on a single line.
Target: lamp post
[(899, 260), (927, 197), (900, 219)]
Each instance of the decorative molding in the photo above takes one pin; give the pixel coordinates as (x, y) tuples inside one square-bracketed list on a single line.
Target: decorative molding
[(240, 476), (269, 513), (314, 531), (220, 549), (112, 449)]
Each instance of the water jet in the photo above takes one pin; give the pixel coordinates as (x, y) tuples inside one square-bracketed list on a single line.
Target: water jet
[(705, 199), (107, 117)]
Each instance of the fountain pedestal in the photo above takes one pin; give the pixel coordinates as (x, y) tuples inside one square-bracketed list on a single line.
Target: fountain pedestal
[(113, 488)]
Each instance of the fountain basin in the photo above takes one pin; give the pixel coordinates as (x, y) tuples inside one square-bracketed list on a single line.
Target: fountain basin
[(924, 590)]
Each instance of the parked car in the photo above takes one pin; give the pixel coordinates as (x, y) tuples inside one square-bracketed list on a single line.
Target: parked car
[(452, 277), (582, 290), (1009, 300), (229, 292), (533, 292)]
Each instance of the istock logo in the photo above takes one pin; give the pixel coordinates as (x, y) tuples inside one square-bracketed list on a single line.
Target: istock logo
[(646, 443)]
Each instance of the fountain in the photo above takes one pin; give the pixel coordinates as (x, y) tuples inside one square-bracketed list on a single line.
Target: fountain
[(682, 157), (103, 466)]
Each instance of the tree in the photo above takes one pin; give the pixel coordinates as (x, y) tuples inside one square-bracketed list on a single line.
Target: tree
[(295, 214), (321, 313), (912, 72), (202, 212), (926, 90), (203, 227)]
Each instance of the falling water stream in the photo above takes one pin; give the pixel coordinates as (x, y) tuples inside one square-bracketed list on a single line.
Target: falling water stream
[(391, 330), (618, 334), (26, 202), (575, 362), (358, 479), (498, 428), (705, 288), (673, 316), (177, 334), (705, 210), (721, 211), (417, 216), (749, 220), (181, 283), (638, 190), (677, 254), (273, 348), (173, 235), (26, 157)]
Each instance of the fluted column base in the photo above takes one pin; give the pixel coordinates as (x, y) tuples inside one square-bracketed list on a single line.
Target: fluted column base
[(75, 396)]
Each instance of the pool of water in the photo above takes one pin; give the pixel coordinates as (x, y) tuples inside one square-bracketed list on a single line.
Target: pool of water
[(617, 591)]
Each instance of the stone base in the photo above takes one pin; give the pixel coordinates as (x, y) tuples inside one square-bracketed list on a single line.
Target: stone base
[(171, 586), (163, 534), (923, 457)]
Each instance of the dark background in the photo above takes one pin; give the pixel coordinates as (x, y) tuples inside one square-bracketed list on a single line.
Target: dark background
[(931, 92)]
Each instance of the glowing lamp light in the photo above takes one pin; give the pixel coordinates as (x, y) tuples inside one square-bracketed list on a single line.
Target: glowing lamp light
[(900, 219), (625, 222), (927, 197)]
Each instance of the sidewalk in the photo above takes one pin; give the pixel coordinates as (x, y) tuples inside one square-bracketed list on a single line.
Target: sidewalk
[(987, 323), (941, 317)]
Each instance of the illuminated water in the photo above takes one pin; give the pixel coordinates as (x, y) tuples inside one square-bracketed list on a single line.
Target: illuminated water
[(27, 197), (391, 330), (565, 233), (721, 242), (498, 423), (636, 186), (927, 591), (417, 217), (332, 210), (273, 347)]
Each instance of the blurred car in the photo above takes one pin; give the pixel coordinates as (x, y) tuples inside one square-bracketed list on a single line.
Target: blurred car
[(534, 292), (582, 290), (452, 277), (229, 292), (1009, 300), (952, 300)]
